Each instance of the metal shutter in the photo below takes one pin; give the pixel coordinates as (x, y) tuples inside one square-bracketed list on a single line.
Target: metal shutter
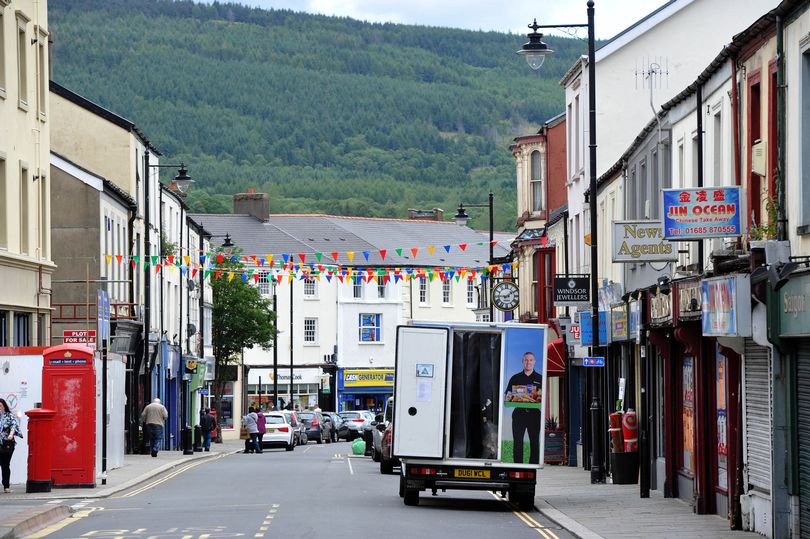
[(758, 398), (803, 399)]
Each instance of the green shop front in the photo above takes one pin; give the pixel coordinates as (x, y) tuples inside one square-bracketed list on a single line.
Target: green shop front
[(364, 389), (794, 332)]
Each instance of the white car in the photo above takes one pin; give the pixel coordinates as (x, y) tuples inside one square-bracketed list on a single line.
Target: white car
[(279, 433)]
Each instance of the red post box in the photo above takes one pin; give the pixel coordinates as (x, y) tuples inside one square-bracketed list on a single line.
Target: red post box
[(69, 389), (40, 423)]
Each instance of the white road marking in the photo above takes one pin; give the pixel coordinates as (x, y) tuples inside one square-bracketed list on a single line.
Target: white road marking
[(351, 470)]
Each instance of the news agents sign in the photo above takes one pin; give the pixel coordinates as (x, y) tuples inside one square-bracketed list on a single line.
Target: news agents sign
[(702, 212), (572, 289), (641, 241)]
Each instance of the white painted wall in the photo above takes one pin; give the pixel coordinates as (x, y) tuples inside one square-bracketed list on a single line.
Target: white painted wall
[(21, 386)]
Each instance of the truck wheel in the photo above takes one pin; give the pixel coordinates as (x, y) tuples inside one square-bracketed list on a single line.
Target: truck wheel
[(386, 466), (411, 496), (401, 487), (526, 502)]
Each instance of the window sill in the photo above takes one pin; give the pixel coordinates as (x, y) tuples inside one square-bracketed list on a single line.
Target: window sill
[(803, 230), (310, 344), (366, 343), (22, 105), (447, 305), (2, 93), (310, 298)]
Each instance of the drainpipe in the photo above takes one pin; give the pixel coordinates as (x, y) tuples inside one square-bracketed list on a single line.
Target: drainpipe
[(781, 226), (735, 118)]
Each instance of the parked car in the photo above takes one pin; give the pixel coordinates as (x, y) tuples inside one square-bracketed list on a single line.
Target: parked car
[(356, 421), (317, 428), (387, 459), (381, 423), (279, 432), (339, 428), (298, 427)]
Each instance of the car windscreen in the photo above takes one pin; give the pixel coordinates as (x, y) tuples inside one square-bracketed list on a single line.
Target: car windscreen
[(306, 418), (274, 419)]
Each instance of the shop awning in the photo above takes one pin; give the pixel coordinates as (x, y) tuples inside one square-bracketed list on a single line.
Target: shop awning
[(556, 358)]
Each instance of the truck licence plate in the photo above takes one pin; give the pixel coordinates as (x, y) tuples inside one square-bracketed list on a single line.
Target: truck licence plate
[(470, 474)]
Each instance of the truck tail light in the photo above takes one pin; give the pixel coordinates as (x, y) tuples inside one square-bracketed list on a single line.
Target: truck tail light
[(521, 475), (424, 471)]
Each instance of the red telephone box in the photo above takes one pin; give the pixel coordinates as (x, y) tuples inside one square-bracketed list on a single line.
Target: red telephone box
[(69, 388)]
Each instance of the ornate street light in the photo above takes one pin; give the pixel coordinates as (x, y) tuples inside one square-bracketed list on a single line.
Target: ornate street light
[(461, 218), (535, 51)]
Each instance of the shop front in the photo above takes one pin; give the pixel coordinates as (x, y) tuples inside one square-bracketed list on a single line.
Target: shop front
[(663, 391), (364, 389), (306, 383), (727, 330), (794, 330)]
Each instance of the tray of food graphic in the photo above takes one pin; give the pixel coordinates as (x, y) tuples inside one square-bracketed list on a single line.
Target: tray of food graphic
[(524, 396)]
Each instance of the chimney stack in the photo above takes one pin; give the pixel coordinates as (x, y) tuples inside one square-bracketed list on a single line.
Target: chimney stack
[(255, 204), (436, 214)]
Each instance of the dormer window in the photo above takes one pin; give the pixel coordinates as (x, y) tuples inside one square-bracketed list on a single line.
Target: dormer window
[(538, 202)]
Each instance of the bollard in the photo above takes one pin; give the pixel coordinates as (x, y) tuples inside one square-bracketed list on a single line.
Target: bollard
[(197, 438), (40, 450)]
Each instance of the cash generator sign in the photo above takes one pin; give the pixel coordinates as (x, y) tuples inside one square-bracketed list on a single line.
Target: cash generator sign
[(641, 241), (702, 212), (368, 377)]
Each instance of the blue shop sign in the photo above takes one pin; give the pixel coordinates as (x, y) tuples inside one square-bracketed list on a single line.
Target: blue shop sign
[(633, 320), (702, 212), (586, 328)]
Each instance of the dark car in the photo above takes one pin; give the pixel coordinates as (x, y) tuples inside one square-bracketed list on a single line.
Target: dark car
[(387, 458), (339, 429), (317, 428), (298, 427)]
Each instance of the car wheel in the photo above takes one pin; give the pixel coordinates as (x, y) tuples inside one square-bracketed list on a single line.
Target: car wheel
[(411, 496), (304, 439), (320, 438), (290, 447), (375, 455)]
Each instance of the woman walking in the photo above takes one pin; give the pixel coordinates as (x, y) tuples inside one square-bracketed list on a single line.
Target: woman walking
[(9, 428)]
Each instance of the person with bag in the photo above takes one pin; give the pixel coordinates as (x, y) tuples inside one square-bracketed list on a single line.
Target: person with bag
[(261, 425), (250, 423), (9, 428), (208, 425)]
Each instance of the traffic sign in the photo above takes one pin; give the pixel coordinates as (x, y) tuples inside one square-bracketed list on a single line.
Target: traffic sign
[(597, 361)]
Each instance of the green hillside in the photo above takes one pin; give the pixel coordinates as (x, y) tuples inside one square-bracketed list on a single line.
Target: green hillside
[(326, 114)]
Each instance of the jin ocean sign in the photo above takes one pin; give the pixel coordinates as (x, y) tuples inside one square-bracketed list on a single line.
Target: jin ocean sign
[(702, 212)]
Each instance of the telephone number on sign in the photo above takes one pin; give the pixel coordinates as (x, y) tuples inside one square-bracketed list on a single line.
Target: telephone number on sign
[(729, 229)]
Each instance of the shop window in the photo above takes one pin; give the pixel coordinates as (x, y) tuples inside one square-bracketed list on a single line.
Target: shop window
[(545, 265), (688, 415), (370, 327), (310, 288), (225, 419)]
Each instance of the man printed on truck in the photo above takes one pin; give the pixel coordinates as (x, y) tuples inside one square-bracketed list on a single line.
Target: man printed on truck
[(526, 387)]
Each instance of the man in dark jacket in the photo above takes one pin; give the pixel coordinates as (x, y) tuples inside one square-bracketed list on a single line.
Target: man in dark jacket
[(208, 425)]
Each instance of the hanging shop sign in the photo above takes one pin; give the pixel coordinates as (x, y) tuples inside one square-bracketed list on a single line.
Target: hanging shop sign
[(633, 319), (794, 307), (572, 289), (689, 301), (726, 306), (641, 241), (618, 322), (702, 212), (586, 328), (660, 309)]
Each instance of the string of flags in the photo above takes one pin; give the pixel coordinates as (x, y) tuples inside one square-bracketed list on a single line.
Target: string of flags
[(326, 265)]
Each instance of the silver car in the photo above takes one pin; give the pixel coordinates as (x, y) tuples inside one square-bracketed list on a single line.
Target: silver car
[(357, 421)]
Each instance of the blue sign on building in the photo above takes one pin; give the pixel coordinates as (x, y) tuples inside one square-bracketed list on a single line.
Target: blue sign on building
[(586, 328), (598, 361), (702, 212)]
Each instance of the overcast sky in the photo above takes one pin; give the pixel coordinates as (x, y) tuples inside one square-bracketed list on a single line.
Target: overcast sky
[(612, 16)]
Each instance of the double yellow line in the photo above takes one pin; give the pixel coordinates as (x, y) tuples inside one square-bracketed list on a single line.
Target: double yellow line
[(528, 520), (169, 476)]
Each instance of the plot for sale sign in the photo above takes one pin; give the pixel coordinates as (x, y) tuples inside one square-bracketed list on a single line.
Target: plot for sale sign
[(79, 336)]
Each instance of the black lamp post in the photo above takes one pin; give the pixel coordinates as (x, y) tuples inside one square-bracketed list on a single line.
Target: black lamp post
[(535, 52), (462, 218)]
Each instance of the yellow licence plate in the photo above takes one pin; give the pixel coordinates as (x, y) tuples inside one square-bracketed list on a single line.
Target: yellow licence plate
[(271, 430), (471, 474)]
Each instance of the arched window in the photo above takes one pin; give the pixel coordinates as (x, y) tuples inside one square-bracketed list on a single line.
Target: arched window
[(537, 166)]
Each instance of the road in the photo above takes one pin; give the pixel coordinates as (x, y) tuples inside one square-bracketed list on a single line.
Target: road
[(314, 491)]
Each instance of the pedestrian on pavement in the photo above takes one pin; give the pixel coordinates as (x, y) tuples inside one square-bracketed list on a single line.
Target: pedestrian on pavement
[(262, 428), (208, 425), (153, 417), (316, 408), (9, 428), (250, 423), (526, 387)]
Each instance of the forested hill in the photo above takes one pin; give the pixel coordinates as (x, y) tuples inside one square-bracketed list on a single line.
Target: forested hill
[(328, 115)]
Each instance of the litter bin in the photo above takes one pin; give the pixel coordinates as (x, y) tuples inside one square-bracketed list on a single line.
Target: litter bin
[(624, 468), (197, 438), (40, 450)]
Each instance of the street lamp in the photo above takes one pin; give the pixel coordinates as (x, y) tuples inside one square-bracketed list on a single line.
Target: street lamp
[(535, 52), (462, 219)]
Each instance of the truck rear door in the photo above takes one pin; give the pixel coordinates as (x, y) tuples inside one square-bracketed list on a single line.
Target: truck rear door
[(420, 391)]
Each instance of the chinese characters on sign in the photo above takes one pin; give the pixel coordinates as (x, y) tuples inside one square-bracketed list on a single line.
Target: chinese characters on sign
[(702, 212)]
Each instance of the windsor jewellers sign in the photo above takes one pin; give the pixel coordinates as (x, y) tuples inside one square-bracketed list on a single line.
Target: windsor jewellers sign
[(702, 212), (641, 241), (572, 289)]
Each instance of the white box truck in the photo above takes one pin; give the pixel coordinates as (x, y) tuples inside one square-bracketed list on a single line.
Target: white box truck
[(469, 408)]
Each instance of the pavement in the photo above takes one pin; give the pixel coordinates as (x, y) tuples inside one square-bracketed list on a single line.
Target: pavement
[(22, 513), (566, 496)]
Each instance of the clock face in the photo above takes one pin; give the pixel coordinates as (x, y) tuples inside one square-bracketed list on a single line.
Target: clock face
[(506, 296)]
